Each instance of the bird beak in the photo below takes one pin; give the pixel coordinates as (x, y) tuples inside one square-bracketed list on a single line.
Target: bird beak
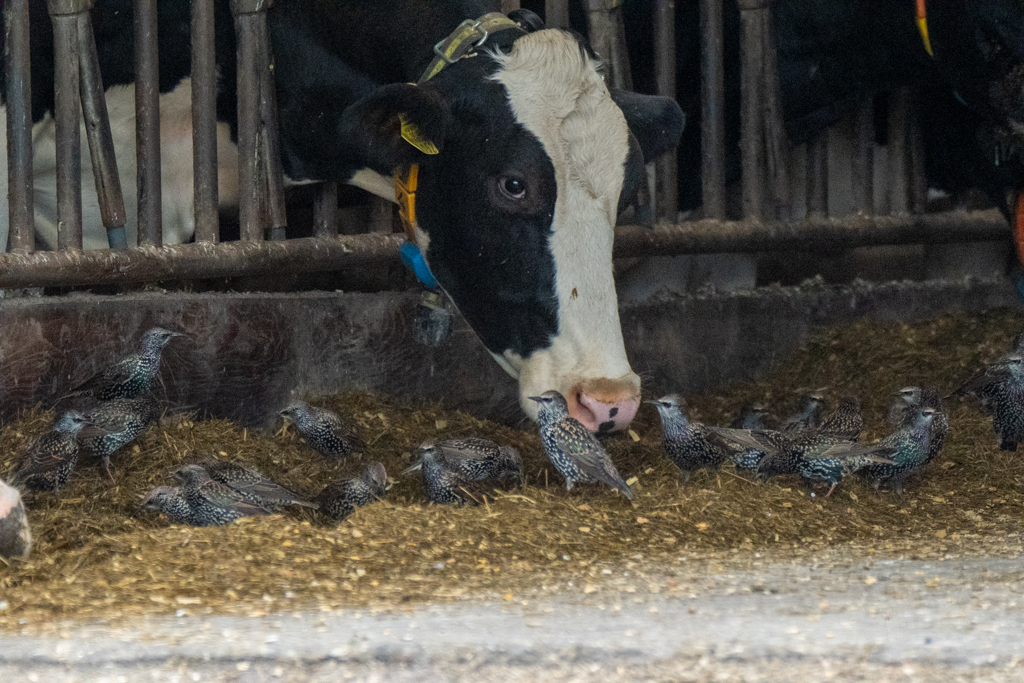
[(178, 334), (653, 403), (538, 399)]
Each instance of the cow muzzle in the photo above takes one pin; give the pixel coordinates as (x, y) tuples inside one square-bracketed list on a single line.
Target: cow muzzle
[(605, 405)]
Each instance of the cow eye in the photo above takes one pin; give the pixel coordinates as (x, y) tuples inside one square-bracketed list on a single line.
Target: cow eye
[(512, 187)]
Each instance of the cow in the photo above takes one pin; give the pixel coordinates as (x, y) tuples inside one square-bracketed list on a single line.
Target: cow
[(515, 212)]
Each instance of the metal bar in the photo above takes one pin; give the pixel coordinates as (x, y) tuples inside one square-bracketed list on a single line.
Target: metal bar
[(917, 180), (204, 122), (509, 5), (817, 177), (325, 210), (712, 95), (147, 124), (829, 234), (776, 140), (556, 13), (251, 176), (270, 136), (667, 186), (234, 259), (101, 141), (751, 112), (381, 215), (64, 16), (21, 236), (899, 150), (863, 180)]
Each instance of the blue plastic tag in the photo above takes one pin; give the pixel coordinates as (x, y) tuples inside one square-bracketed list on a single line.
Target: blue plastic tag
[(414, 261)]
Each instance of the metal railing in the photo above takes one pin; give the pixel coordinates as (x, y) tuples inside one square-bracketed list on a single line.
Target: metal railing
[(767, 190)]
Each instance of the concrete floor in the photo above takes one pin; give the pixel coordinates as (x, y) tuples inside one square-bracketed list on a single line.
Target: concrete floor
[(894, 620)]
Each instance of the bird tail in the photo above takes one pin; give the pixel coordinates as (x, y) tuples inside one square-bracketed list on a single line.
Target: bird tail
[(305, 504), (614, 479), (414, 468)]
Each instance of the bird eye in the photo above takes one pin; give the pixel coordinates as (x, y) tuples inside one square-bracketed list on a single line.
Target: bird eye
[(512, 187)]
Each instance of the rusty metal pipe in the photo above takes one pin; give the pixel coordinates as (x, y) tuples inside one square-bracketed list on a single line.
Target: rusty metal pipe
[(147, 123), (251, 169), (325, 210), (712, 96), (667, 190), (270, 137), (752, 75), (101, 141), (64, 17), (204, 122), (21, 220)]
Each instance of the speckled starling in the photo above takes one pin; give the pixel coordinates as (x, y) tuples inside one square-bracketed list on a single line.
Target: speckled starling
[(253, 485), (910, 445), (832, 469), (904, 411), (170, 501), (1000, 387), (340, 498), (753, 416), (445, 485), (114, 424), (845, 422), (15, 536), (133, 375), (808, 418), (323, 430), (476, 459), (685, 442), (212, 503), (783, 454), (572, 448), (49, 460)]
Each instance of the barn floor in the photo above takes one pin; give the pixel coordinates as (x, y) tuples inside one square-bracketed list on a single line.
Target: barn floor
[(94, 559)]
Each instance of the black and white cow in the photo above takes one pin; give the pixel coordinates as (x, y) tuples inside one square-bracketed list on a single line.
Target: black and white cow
[(515, 215)]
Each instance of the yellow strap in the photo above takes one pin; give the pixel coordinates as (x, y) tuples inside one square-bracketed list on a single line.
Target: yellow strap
[(462, 40), (405, 195)]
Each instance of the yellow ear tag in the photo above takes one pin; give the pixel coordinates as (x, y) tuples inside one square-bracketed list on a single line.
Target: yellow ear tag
[(411, 134)]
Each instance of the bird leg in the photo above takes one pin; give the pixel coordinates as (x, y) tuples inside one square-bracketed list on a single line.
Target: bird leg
[(106, 467), (831, 489)]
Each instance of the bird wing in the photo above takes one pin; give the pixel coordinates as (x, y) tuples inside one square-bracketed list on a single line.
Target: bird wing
[(846, 421), (848, 450), (226, 497), (977, 382), (763, 440), (111, 375), (576, 441)]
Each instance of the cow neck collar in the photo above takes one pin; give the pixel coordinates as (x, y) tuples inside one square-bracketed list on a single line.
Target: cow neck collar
[(462, 43)]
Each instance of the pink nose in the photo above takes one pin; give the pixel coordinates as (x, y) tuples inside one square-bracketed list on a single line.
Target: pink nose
[(604, 409)]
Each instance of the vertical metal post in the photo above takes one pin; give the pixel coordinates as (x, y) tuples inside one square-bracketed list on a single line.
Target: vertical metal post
[(607, 38), (556, 13), (101, 141), (667, 189), (270, 140), (776, 140), (751, 108), (204, 122), (382, 214), (712, 98), (251, 168), (19, 126), (147, 123), (863, 159), (817, 177), (509, 5), (64, 16), (899, 152), (917, 180), (325, 210)]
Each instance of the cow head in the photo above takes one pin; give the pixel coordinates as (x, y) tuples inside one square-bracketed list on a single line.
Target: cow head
[(515, 214)]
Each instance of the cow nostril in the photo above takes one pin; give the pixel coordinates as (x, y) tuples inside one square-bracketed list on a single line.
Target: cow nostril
[(579, 409)]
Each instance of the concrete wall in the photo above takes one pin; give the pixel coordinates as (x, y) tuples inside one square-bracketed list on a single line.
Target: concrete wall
[(248, 354)]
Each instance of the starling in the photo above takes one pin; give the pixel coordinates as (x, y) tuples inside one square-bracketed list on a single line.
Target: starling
[(133, 375), (784, 454), (15, 536), (323, 430), (904, 410), (909, 445), (753, 416), (50, 460), (254, 487), (211, 502), (808, 418), (845, 422), (445, 485), (832, 469), (573, 450), (685, 442), (1000, 387), (341, 498), (170, 501), (114, 424), (476, 459)]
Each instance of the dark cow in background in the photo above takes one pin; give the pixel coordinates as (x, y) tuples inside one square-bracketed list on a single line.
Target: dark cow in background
[(834, 55), (515, 213)]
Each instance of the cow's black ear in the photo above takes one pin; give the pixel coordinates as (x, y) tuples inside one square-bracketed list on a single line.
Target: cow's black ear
[(527, 20), (657, 122), (396, 124)]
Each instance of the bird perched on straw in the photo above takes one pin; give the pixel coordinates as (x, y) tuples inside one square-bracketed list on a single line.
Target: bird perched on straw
[(49, 460), (254, 487), (904, 409), (999, 387), (170, 501), (809, 416), (476, 459), (573, 450), (446, 485), (685, 442), (845, 422), (832, 469), (323, 430), (211, 502), (753, 416), (133, 375), (340, 498), (15, 535), (909, 445), (114, 424)]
